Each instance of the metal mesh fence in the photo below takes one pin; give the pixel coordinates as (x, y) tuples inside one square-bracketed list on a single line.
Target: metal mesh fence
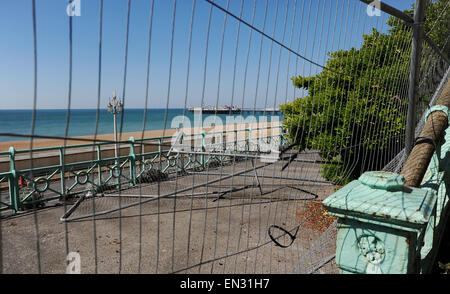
[(302, 97)]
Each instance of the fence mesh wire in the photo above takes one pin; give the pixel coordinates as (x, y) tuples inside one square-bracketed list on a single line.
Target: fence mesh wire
[(245, 198)]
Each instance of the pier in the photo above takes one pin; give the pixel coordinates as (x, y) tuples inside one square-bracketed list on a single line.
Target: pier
[(231, 109)]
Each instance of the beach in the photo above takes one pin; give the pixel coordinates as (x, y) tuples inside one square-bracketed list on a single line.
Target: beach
[(84, 123), (43, 143), (84, 151)]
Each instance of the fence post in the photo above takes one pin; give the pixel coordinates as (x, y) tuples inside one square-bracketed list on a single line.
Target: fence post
[(14, 197), (61, 163), (235, 139), (180, 155), (280, 143), (416, 50), (203, 157), (159, 153), (249, 129), (132, 157), (99, 165), (381, 224)]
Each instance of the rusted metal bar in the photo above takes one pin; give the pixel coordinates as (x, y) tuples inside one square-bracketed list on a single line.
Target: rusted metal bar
[(433, 131)]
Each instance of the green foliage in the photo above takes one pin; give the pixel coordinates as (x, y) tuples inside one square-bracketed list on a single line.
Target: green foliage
[(355, 108)]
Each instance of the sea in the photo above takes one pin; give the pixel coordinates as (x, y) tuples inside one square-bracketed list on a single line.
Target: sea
[(83, 122)]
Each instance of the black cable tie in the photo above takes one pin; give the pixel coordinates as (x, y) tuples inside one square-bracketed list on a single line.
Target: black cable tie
[(425, 139)]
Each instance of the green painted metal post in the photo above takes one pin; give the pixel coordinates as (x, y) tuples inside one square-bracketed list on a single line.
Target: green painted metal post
[(117, 163), (99, 166), (381, 224), (132, 157), (280, 143), (203, 157), (13, 182), (181, 156), (247, 142), (61, 165), (437, 180), (159, 153), (235, 139)]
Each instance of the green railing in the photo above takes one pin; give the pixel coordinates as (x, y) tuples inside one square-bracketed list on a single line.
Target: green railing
[(80, 168)]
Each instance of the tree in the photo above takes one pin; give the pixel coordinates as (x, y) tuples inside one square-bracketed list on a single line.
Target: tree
[(355, 112)]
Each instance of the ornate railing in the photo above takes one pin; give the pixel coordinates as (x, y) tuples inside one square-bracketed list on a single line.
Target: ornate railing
[(74, 173)]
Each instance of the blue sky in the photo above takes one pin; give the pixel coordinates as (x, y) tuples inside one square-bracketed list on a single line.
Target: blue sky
[(310, 34)]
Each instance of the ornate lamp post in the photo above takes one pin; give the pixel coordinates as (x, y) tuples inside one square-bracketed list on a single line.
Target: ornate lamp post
[(115, 106)]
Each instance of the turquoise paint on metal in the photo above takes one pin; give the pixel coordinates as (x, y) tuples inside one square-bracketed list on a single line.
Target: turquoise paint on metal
[(436, 179), (203, 156), (442, 108), (248, 130), (372, 249), (99, 167), (13, 181), (62, 173), (407, 205), (132, 156), (378, 211), (382, 180)]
